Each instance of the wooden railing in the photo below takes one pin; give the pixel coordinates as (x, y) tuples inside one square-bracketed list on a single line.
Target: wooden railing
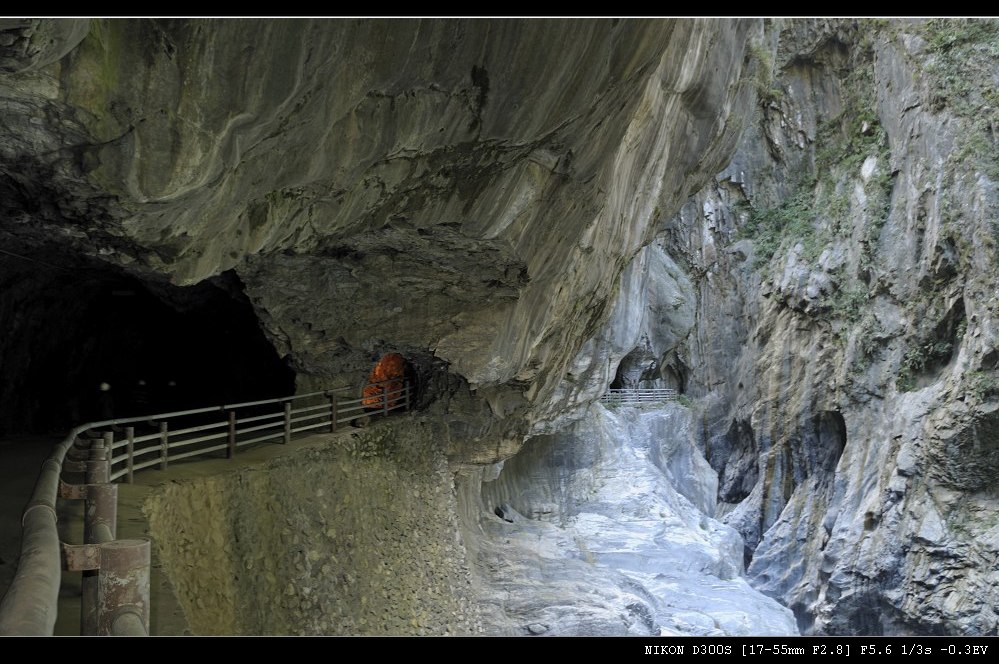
[(116, 598), (153, 442), (633, 397)]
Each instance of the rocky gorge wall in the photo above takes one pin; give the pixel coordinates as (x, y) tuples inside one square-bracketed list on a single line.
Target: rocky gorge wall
[(466, 192), (372, 532), (520, 207), (844, 339)]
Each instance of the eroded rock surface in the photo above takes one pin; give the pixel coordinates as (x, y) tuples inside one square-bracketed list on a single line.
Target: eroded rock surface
[(469, 190), (606, 529)]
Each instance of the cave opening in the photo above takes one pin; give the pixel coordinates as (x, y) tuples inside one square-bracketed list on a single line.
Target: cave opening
[(85, 340), (642, 368)]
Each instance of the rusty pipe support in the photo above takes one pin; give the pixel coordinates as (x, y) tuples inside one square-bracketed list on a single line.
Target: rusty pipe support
[(115, 582), (128, 623), (98, 468), (100, 523), (123, 584), (287, 423)]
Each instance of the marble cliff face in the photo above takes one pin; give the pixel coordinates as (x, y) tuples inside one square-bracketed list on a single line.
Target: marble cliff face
[(792, 222), (464, 190), (842, 352)]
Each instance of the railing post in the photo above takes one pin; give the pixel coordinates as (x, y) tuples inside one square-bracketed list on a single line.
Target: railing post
[(164, 445), (88, 602), (130, 453), (333, 414), (406, 393), (79, 450), (287, 422), (231, 449), (100, 522), (97, 467), (123, 586), (385, 391)]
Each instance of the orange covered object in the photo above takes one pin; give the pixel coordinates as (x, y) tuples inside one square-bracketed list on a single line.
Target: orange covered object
[(387, 377)]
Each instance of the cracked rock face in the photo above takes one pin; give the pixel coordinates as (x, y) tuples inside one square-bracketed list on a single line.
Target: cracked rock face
[(844, 338), (466, 189)]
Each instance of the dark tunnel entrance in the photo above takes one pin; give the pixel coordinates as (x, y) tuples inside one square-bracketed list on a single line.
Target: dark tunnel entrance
[(155, 346)]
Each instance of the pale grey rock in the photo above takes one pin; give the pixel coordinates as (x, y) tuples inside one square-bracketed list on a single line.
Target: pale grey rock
[(614, 545), (847, 368), (653, 312)]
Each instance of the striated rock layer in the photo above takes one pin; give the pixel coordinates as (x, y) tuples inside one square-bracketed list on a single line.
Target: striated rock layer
[(464, 191)]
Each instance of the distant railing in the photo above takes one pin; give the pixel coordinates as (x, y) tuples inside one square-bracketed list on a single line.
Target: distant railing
[(151, 441), (116, 572), (628, 397)]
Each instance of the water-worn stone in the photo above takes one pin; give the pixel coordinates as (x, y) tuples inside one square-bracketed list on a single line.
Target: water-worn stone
[(615, 546)]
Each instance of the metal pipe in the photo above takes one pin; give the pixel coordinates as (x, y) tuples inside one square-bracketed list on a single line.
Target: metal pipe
[(176, 444), (123, 583), (193, 453), (267, 416), (128, 623), (203, 427), (29, 606), (308, 426), (295, 397), (260, 439)]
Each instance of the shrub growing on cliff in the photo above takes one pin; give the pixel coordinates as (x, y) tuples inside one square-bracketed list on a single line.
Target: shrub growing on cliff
[(963, 55), (918, 359), (983, 385), (772, 228)]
